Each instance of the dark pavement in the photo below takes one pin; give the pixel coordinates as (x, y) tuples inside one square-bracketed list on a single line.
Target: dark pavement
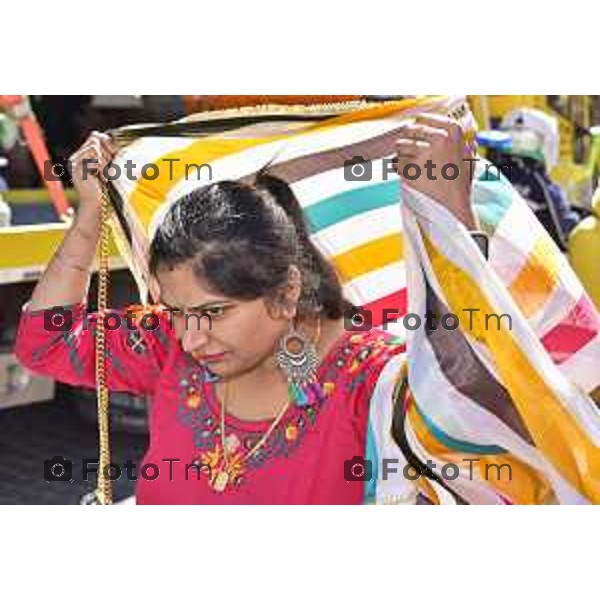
[(29, 435)]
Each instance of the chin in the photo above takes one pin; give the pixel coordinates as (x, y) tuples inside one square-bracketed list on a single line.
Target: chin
[(218, 368)]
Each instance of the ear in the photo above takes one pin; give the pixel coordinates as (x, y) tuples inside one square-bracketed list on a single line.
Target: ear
[(293, 291), (285, 304)]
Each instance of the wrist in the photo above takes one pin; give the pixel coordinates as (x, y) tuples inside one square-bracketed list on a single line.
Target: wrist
[(75, 264), (456, 197), (466, 215), (87, 219)]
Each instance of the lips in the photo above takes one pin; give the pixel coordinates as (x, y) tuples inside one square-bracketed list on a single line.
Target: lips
[(208, 357)]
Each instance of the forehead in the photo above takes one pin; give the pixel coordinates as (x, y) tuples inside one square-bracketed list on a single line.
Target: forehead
[(179, 286)]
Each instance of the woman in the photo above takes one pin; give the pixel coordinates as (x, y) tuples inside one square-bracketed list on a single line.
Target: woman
[(258, 392)]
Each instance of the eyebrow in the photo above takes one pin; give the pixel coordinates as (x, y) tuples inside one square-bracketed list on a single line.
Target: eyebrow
[(197, 307)]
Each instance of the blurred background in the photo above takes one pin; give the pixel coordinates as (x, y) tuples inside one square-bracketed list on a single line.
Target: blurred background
[(550, 145)]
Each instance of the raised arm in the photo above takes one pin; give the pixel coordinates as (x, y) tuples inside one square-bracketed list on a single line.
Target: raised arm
[(67, 277), (61, 343)]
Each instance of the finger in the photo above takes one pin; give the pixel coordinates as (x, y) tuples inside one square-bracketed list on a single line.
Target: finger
[(108, 145), (422, 132), (451, 126), (411, 148), (406, 147), (440, 121), (99, 135), (85, 157), (412, 144), (95, 138), (100, 143), (103, 156), (402, 161), (91, 159), (114, 147), (101, 151), (90, 147), (94, 152), (107, 156)]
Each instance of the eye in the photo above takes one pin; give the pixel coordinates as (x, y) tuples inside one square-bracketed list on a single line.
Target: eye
[(214, 311)]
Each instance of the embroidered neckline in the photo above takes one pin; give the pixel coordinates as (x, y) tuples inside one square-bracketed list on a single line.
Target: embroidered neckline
[(198, 408)]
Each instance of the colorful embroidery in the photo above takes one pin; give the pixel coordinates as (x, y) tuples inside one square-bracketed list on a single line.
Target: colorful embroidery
[(291, 432), (136, 342)]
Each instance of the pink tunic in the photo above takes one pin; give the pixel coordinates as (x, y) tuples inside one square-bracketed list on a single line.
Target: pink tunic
[(304, 457)]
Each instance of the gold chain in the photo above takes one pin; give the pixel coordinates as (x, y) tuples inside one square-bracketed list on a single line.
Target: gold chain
[(252, 451), (104, 489)]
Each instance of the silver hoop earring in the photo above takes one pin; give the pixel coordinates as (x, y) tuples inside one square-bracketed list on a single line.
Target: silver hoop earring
[(300, 367)]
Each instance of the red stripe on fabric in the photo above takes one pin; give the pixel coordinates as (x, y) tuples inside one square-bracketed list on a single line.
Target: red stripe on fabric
[(395, 305), (578, 328)]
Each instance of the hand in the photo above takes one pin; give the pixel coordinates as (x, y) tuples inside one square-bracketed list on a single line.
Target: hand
[(432, 142), (87, 165)]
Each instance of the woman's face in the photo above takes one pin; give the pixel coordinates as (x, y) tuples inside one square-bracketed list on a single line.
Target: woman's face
[(230, 336)]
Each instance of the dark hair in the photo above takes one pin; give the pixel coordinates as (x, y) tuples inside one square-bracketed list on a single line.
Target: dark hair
[(242, 240)]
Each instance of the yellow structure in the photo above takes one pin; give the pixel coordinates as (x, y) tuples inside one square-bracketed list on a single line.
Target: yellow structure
[(584, 251), (25, 250)]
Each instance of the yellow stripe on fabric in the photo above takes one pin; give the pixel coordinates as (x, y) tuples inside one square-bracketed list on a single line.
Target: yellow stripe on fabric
[(425, 487), (149, 195), (517, 481), (537, 279), (556, 432), (368, 257)]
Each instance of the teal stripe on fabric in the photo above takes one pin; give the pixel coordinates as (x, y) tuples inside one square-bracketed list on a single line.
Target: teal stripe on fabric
[(456, 444), (373, 456), (333, 209)]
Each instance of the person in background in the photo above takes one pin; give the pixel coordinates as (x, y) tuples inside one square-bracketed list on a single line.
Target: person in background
[(534, 153)]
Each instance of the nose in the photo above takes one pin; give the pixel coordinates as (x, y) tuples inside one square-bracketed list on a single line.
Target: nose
[(193, 338)]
